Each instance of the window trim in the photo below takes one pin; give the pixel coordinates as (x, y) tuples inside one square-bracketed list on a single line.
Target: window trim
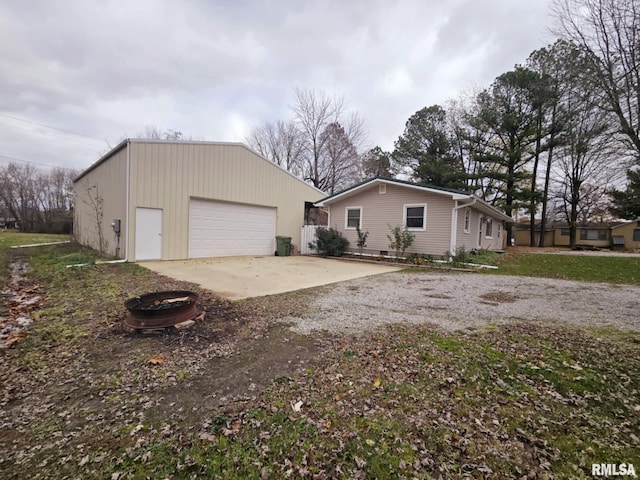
[(635, 238), (346, 218), (488, 221), (424, 216), (467, 220)]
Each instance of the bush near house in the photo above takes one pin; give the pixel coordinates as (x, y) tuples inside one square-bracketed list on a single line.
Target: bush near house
[(329, 242)]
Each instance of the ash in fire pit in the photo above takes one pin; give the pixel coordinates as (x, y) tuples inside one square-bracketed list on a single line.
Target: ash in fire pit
[(161, 309)]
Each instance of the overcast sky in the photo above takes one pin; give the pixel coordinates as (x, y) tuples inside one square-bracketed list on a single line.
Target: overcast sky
[(99, 71)]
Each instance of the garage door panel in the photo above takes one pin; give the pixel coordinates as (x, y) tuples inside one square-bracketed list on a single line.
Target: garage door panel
[(218, 229)]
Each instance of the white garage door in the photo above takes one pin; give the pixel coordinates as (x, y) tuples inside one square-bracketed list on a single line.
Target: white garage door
[(219, 229)]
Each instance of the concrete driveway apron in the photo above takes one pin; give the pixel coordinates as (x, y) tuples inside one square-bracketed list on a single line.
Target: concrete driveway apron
[(236, 278)]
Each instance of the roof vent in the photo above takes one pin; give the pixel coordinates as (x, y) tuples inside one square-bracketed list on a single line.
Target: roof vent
[(382, 188)]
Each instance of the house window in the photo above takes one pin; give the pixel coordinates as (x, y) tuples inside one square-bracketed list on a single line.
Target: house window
[(489, 228), (499, 229), (636, 234), (593, 234), (467, 219), (353, 218), (415, 217), (565, 232)]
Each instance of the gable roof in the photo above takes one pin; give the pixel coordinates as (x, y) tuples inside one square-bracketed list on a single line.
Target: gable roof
[(458, 195), (127, 141)]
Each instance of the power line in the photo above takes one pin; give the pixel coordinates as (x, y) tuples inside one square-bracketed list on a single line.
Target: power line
[(51, 127), (30, 130), (35, 163)]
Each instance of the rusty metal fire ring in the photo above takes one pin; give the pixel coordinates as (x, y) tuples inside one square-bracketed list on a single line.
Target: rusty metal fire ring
[(161, 309)]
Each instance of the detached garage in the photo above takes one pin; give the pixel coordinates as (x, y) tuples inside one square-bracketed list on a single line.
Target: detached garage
[(163, 200)]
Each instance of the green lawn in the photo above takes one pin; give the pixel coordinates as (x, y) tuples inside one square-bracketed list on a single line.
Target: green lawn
[(9, 238), (618, 270)]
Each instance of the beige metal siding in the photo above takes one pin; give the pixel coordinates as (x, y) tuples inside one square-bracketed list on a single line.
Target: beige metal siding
[(381, 210), (167, 175), (109, 180)]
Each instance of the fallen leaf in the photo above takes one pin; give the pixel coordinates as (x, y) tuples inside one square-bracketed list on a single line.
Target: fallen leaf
[(297, 406), (328, 424), (376, 382), (156, 360)]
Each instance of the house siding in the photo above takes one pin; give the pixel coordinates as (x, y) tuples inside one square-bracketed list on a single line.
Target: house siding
[(472, 240), (379, 211), (109, 178)]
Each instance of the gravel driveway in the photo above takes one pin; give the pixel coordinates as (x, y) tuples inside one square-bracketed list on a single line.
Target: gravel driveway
[(465, 300)]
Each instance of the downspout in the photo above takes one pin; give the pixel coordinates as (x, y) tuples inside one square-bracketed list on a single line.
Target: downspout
[(454, 223), (126, 204)]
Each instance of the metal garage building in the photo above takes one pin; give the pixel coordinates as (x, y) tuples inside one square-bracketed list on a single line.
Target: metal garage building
[(154, 199)]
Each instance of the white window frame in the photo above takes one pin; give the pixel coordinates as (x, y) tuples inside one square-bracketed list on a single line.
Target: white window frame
[(467, 220), (424, 217), (346, 218), (487, 230), (499, 229)]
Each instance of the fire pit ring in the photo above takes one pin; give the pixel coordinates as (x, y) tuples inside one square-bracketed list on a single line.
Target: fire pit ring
[(161, 309)]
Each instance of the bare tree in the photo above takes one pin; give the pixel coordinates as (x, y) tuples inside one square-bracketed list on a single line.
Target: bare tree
[(586, 163), (281, 142), (95, 202), (18, 193), (608, 31), (38, 200), (315, 113), (340, 158), (154, 132)]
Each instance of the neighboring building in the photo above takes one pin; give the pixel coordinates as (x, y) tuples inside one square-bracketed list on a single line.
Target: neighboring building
[(7, 221), (522, 235), (442, 220), (624, 235), (591, 235), (170, 200)]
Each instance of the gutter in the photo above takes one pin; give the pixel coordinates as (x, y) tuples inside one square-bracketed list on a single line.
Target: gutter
[(454, 222)]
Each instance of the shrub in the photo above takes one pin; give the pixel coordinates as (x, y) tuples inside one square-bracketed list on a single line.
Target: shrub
[(329, 242), (400, 239), (362, 239)]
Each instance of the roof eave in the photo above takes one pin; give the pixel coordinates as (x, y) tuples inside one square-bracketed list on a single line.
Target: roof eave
[(353, 190)]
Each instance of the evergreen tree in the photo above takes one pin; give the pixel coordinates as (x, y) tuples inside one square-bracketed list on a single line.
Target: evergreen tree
[(426, 147), (626, 204)]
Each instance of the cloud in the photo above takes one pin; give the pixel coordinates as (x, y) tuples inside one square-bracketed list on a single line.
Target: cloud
[(213, 69)]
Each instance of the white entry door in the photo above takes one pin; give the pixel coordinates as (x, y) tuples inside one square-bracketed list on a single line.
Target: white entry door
[(148, 233)]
